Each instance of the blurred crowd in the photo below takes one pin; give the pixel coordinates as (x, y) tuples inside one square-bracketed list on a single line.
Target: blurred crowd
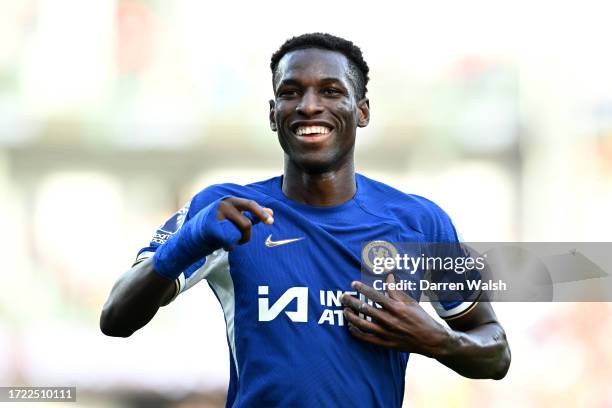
[(114, 113)]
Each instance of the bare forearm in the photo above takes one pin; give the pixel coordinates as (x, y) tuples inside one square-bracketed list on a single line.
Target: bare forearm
[(482, 352), (134, 300)]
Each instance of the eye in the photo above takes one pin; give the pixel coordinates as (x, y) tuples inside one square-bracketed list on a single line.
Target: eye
[(287, 93), (331, 92)]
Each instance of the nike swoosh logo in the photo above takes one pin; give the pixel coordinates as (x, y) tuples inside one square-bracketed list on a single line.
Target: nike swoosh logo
[(270, 243)]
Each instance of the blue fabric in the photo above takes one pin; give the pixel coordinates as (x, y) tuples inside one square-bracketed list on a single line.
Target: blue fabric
[(302, 355), (199, 237)]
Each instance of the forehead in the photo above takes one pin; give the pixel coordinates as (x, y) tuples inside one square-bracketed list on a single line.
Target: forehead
[(311, 64)]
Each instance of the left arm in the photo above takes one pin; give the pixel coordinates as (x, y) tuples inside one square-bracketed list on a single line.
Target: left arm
[(474, 345), (477, 346)]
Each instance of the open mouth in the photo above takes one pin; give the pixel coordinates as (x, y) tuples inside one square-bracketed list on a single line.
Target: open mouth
[(312, 134)]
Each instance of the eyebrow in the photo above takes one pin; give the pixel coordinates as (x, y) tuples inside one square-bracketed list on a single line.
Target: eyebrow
[(293, 81)]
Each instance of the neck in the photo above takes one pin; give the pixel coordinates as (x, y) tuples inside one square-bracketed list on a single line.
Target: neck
[(329, 188)]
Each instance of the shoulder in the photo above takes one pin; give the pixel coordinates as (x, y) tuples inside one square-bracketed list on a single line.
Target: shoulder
[(419, 213), (254, 191)]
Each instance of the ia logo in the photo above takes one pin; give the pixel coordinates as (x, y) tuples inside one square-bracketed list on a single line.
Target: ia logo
[(267, 313)]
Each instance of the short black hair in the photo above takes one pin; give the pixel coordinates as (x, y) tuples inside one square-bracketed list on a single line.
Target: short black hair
[(358, 68)]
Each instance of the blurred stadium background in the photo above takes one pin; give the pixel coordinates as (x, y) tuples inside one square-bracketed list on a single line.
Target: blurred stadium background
[(113, 113)]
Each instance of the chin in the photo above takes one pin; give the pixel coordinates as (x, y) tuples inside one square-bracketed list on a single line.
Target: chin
[(316, 164)]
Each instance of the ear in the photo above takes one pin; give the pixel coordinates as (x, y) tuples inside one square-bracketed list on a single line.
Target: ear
[(363, 106), (272, 116)]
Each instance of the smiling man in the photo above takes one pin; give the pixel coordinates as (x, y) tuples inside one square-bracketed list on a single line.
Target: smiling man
[(283, 256)]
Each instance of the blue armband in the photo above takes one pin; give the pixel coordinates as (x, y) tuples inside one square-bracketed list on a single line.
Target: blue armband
[(200, 236)]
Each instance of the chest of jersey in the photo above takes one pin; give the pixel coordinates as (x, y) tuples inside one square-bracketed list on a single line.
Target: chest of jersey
[(297, 269)]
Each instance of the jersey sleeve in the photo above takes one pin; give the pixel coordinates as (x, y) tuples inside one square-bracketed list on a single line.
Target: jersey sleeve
[(196, 272), (461, 294), (456, 279)]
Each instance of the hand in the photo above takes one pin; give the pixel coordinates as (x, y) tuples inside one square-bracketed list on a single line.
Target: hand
[(223, 223), (232, 208), (401, 324)]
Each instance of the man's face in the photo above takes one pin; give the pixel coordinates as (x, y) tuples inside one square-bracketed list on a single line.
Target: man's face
[(316, 110)]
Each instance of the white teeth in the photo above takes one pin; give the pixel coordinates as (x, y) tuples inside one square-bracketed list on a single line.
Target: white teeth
[(309, 130)]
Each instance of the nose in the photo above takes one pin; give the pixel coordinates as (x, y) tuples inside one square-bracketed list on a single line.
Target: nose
[(310, 104)]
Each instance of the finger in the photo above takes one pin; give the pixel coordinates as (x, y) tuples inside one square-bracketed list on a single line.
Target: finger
[(359, 306), (258, 212), (396, 294), (240, 221), (270, 212), (353, 302), (370, 338), (364, 325), (372, 294)]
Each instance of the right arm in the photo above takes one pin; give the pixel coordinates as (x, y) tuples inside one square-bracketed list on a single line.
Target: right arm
[(134, 300), (152, 283)]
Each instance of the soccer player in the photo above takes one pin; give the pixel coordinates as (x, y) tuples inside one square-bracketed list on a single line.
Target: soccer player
[(283, 256)]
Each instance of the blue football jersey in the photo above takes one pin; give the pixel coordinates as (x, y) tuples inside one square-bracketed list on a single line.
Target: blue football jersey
[(280, 294)]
